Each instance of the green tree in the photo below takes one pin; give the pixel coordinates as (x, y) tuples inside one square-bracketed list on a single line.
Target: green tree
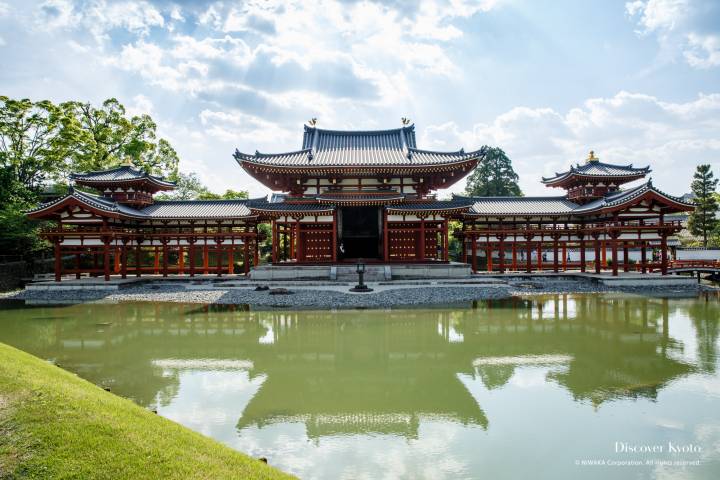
[(190, 187), (494, 177), (703, 220), (107, 137), (33, 141), (228, 195)]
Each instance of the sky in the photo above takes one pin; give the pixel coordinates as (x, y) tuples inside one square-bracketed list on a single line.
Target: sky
[(637, 82)]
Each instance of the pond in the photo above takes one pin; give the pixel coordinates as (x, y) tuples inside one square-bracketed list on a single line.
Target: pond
[(567, 385)]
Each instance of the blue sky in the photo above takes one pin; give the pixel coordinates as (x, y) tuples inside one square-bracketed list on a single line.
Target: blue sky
[(638, 81)]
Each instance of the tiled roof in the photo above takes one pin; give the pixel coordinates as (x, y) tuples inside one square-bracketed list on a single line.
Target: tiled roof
[(599, 169), (359, 196), (521, 206), (618, 198), (171, 209), (455, 202), (94, 201), (123, 173), (358, 148), (289, 207), (202, 209)]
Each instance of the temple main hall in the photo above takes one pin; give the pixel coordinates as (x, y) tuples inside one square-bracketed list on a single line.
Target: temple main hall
[(370, 196)]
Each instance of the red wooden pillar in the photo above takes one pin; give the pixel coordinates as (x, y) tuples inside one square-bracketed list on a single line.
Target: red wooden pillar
[(446, 241), (218, 256), (582, 254), (123, 259), (422, 239), (528, 252), (386, 238), (256, 249), (156, 261), (564, 256), (539, 255), (274, 242), (58, 261), (138, 258), (598, 265), (626, 258), (191, 257), (298, 243), (246, 256), (643, 257), (206, 258), (164, 257), (181, 260), (614, 250), (231, 257), (106, 259), (488, 252), (663, 253), (474, 253), (556, 253), (603, 253), (501, 255), (116, 260), (514, 254), (334, 236), (96, 265)]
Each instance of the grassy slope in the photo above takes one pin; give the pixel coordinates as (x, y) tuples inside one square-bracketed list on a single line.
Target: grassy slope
[(56, 425)]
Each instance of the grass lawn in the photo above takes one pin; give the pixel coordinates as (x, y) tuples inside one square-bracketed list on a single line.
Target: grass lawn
[(55, 425)]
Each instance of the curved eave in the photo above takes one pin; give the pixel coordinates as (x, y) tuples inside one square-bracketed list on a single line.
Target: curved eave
[(361, 201), (438, 210), (521, 215), (203, 218), (325, 169), (159, 184), (644, 194), (562, 181), (290, 212), (52, 209)]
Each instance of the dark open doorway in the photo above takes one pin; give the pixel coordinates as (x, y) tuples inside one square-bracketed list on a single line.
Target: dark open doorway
[(360, 232)]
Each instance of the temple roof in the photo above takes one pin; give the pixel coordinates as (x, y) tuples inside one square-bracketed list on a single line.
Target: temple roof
[(172, 209), (621, 197), (122, 174), (596, 168), (520, 205), (93, 201), (358, 148), (202, 209)]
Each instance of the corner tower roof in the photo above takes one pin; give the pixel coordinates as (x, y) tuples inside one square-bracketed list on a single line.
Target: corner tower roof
[(594, 168)]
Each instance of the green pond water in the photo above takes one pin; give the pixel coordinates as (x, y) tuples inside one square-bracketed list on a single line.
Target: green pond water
[(559, 386)]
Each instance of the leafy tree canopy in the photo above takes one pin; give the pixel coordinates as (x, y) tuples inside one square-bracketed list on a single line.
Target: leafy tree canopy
[(494, 177), (703, 220), (107, 137), (190, 187)]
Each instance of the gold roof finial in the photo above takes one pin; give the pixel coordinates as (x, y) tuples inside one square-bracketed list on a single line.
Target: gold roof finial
[(592, 157)]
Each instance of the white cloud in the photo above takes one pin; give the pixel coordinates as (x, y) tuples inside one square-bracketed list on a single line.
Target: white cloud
[(626, 128), (682, 28), (99, 17), (703, 50), (4, 9), (2, 42), (141, 105)]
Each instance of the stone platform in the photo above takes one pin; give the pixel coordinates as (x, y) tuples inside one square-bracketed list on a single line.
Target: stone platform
[(373, 272)]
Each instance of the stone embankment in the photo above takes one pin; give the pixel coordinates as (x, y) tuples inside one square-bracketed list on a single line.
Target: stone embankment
[(335, 296)]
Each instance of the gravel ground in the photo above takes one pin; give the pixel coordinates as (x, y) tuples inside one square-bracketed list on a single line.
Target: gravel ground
[(319, 298)]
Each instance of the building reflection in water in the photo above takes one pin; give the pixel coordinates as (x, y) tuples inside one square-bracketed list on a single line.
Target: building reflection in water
[(374, 372)]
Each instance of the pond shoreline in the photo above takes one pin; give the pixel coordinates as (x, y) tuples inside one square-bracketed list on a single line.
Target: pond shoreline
[(338, 297)]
